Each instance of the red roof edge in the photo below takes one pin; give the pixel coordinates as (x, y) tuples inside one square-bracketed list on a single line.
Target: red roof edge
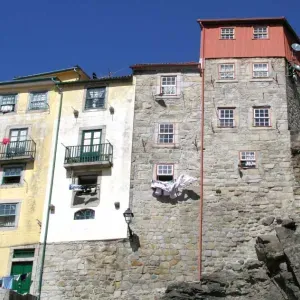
[(280, 20), (180, 64)]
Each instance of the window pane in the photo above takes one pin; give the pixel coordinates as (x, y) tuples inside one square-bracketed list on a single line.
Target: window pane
[(84, 214), (38, 101), (95, 98), (168, 85)]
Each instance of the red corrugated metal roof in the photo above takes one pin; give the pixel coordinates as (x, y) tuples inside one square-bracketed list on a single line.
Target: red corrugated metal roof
[(280, 20), (174, 64)]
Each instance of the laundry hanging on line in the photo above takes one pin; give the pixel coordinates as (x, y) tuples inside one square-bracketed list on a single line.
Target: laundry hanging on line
[(171, 188), (7, 282)]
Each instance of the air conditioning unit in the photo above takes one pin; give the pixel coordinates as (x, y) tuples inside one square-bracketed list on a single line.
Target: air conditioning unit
[(6, 108)]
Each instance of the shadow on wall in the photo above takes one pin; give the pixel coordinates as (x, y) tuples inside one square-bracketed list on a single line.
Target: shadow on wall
[(135, 242), (184, 196)]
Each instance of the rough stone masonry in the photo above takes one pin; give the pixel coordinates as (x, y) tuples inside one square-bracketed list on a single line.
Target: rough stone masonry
[(239, 203), (165, 245)]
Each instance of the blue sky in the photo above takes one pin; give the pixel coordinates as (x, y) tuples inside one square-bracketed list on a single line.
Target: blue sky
[(44, 35)]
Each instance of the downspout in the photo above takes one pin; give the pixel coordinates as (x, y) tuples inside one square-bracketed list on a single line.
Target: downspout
[(202, 66), (50, 191)]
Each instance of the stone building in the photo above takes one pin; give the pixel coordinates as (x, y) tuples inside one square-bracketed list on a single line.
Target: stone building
[(84, 261), (251, 107)]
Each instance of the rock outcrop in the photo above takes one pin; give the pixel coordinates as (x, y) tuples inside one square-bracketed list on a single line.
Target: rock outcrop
[(275, 275)]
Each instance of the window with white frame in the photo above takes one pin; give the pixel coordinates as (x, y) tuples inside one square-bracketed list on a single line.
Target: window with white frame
[(168, 85), (247, 159), (164, 172), (227, 33), (226, 117), (12, 174), (226, 71), (38, 101), (166, 133), (95, 98), (260, 70), (261, 117), (260, 32), (7, 103), (8, 213)]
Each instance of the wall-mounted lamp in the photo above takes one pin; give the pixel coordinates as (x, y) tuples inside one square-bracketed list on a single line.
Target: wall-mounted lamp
[(111, 110), (52, 209), (128, 215), (75, 112)]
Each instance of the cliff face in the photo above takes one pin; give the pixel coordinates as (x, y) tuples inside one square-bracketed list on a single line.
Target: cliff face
[(275, 275)]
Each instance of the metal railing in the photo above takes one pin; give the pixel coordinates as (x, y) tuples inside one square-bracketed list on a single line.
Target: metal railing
[(18, 149), (90, 153)]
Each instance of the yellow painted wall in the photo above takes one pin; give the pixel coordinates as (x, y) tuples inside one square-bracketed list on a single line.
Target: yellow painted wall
[(32, 191)]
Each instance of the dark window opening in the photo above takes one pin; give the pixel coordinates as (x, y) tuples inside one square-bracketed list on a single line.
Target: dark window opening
[(165, 177), (23, 253), (84, 214)]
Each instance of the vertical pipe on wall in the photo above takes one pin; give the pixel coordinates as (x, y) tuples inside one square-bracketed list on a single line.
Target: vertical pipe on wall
[(202, 149), (50, 193)]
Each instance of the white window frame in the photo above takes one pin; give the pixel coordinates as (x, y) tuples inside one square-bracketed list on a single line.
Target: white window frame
[(162, 134), (225, 75), (169, 171), (10, 106), (263, 117), (248, 159), (222, 120), (260, 32), (227, 33), (166, 85), (259, 71), (16, 215)]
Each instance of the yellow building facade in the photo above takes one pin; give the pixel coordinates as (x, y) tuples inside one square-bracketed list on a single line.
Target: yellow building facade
[(28, 118)]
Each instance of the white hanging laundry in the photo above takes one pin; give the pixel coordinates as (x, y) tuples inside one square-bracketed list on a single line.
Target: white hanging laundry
[(171, 188)]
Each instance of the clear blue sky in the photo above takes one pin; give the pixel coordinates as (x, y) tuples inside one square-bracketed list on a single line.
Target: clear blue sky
[(98, 35)]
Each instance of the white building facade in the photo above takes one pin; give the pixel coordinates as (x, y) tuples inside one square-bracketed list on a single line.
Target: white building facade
[(92, 168)]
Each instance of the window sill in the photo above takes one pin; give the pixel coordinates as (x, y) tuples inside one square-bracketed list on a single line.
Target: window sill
[(8, 228), (8, 113), (227, 129), (227, 81), (33, 111), (262, 128), (167, 97), (261, 80), (94, 109), (172, 146), (13, 186)]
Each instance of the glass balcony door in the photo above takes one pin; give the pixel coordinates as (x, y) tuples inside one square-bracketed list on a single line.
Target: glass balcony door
[(17, 142), (91, 148)]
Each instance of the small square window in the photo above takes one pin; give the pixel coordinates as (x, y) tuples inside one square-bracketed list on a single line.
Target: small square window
[(260, 70), (12, 175), (226, 71), (260, 32), (166, 133), (165, 172), (8, 215), (95, 98), (227, 33), (168, 85), (38, 101), (7, 103), (261, 116), (247, 159), (226, 117)]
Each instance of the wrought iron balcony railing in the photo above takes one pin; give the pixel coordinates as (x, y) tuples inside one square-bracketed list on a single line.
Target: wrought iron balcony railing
[(18, 150), (101, 153)]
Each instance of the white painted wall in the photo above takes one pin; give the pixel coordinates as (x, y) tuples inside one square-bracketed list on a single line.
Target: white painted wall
[(109, 222)]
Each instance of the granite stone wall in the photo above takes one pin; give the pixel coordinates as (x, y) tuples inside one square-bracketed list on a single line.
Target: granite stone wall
[(239, 204), (165, 244)]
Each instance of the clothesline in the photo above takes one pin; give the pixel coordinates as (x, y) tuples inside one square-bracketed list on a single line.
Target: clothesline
[(7, 281)]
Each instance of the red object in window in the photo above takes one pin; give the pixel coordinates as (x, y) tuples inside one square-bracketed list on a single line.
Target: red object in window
[(5, 141)]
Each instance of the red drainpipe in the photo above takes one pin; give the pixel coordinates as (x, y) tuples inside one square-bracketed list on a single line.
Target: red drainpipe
[(202, 149)]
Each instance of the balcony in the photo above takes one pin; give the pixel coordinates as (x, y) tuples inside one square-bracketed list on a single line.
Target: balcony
[(92, 156), (22, 151)]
